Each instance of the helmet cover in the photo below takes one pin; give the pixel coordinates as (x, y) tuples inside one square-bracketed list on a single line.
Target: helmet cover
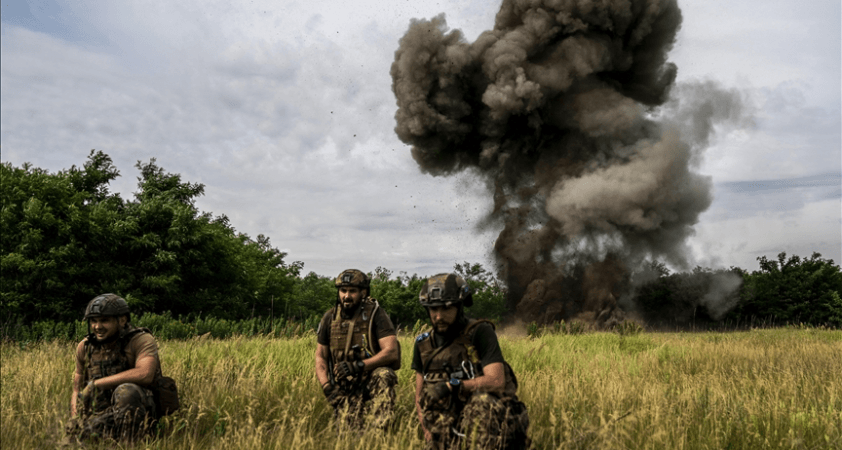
[(106, 305), (445, 289), (353, 278)]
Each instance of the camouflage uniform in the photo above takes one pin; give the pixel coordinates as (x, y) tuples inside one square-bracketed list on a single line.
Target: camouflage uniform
[(491, 420), (368, 398), (128, 410), (129, 414), (125, 412), (373, 402), (479, 419)]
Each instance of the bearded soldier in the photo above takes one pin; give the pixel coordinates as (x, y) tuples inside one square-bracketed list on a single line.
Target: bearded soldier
[(464, 389), (357, 355), (116, 365)]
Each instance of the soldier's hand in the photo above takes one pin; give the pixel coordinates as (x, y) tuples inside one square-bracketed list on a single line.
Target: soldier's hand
[(439, 391), (86, 397), (348, 369), (331, 393)]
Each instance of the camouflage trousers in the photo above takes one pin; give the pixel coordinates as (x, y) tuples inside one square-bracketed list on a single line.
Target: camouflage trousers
[(128, 415), (485, 421), (370, 404)]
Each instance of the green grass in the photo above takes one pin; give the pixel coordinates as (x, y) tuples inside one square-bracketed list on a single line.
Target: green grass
[(775, 389)]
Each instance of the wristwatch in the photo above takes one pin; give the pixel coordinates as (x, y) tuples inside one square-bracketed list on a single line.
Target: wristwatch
[(360, 366)]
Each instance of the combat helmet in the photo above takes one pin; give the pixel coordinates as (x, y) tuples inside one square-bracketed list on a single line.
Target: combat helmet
[(445, 289), (353, 278), (106, 305)]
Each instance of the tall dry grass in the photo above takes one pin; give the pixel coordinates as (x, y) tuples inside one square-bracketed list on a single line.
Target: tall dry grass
[(771, 389)]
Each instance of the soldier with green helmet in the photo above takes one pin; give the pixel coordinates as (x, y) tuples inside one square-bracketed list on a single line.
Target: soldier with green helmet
[(464, 389), (116, 367), (357, 354)]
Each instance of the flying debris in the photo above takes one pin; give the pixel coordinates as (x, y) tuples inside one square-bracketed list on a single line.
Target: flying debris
[(555, 109)]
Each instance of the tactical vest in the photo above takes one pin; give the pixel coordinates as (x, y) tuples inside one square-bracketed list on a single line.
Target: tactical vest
[(459, 358), (351, 339), (110, 359)]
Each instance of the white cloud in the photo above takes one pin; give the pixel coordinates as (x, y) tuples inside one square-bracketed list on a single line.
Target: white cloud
[(740, 241), (284, 110)]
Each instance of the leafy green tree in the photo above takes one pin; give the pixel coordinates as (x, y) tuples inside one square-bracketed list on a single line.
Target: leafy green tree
[(47, 220), (682, 299), (398, 296), (66, 238), (312, 295), (792, 290), (489, 295)]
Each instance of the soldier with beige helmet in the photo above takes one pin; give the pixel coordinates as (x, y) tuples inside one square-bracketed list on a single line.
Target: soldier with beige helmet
[(357, 354), (464, 389)]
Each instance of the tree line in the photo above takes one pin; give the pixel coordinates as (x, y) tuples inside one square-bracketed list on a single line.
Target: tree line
[(66, 238)]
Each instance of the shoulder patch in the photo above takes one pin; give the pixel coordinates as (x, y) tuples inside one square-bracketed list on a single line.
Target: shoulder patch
[(422, 336)]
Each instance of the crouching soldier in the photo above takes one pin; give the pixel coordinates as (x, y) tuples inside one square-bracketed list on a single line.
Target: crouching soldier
[(464, 389), (357, 355), (117, 385)]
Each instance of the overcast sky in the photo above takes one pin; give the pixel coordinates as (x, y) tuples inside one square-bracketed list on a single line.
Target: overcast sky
[(284, 110)]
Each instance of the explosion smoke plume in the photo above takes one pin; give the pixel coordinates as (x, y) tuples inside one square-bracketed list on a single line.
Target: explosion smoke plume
[(552, 108)]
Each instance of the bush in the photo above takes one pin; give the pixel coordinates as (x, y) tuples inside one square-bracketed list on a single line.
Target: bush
[(164, 327)]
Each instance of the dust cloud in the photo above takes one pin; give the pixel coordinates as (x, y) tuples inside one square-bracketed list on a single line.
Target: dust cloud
[(568, 112)]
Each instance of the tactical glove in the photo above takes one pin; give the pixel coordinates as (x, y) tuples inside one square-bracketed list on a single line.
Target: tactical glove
[(349, 369), (438, 391), (85, 398), (331, 394)]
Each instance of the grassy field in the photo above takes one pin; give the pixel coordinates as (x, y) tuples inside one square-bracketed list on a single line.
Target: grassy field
[(761, 389)]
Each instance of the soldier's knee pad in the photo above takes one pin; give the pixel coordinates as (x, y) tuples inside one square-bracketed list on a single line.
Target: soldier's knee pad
[(128, 395)]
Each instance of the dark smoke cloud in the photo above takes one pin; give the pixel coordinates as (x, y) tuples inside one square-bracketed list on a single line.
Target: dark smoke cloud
[(555, 108)]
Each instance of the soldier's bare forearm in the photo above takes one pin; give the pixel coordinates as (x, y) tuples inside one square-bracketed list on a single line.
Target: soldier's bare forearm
[(381, 359), (322, 372), (138, 375), (387, 355), (493, 379), (77, 386), (322, 369)]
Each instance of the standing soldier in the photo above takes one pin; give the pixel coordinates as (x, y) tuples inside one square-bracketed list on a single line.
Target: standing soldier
[(464, 389), (357, 354), (116, 366)]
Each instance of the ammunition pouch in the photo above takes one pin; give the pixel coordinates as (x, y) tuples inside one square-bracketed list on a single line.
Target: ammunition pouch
[(166, 396)]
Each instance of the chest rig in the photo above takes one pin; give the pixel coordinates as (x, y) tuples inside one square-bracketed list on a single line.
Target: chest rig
[(103, 360), (351, 339), (457, 359)]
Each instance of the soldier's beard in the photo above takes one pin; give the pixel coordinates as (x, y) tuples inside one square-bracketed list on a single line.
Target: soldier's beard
[(349, 308), (452, 330)]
